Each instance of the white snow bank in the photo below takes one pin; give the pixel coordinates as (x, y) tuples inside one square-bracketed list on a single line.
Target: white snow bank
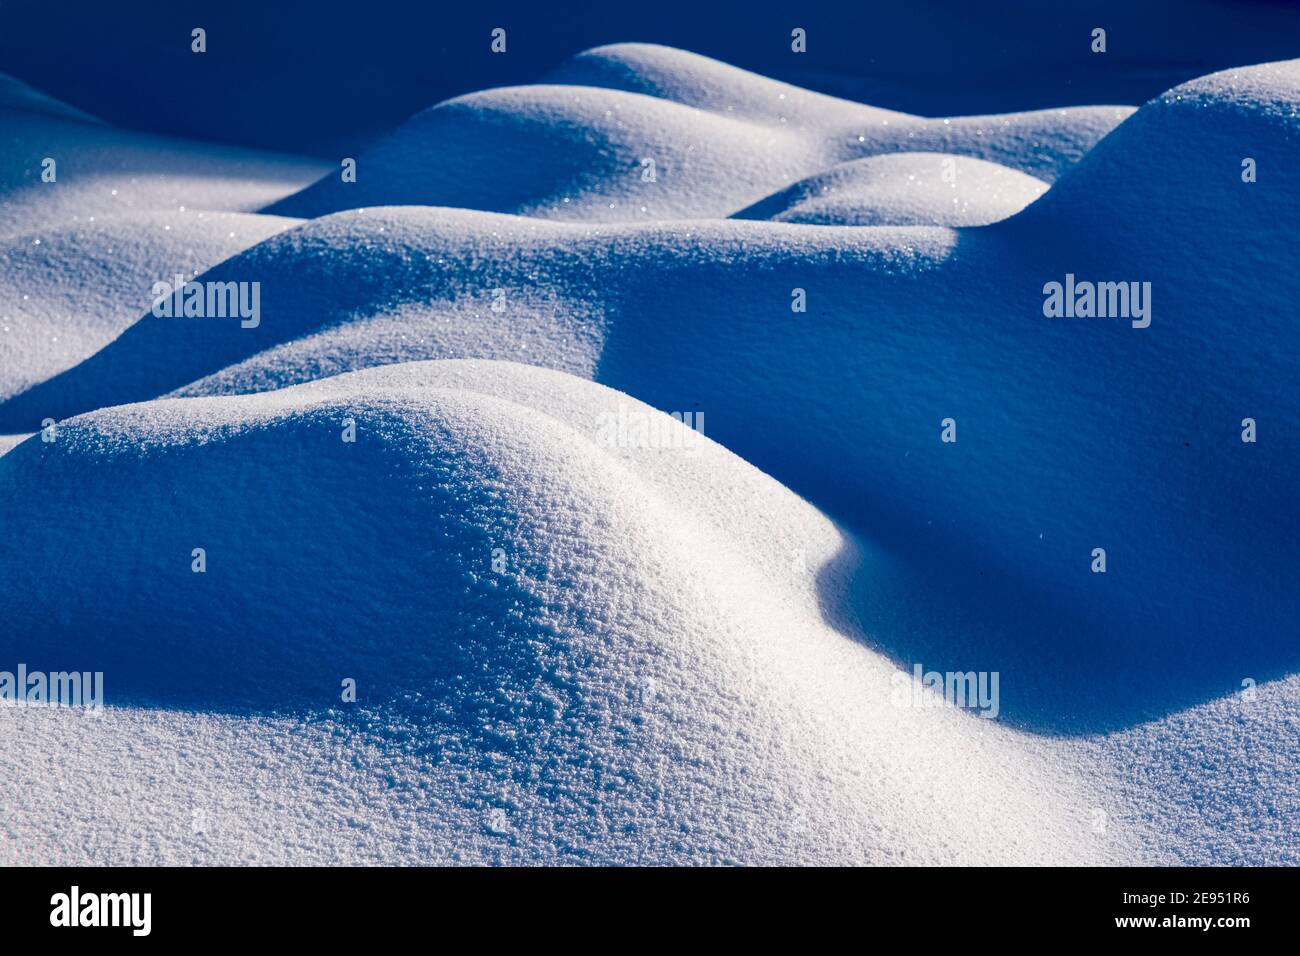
[(101, 171), (1169, 186), (651, 672), (1223, 778), (69, 290), (654, 677), (638, 133), (903, 189), (844, 403)]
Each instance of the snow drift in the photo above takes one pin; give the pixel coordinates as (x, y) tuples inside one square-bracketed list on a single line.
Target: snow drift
[(574, 629), (636, 133), (571, 650)]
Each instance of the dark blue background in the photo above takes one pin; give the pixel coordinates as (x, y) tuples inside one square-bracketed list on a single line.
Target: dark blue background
[(326, 77)]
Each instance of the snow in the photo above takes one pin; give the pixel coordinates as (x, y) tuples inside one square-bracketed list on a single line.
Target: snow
[(102, 171), (903, 189), (17, 95), (88, 282), (592, 690), (720, 139), (682, 649)]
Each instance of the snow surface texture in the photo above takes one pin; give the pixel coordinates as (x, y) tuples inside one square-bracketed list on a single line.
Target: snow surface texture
[(677, 648)]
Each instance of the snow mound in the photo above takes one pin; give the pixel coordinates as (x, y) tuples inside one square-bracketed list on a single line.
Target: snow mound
[(913, 325), (1225, 775), (1177, 169), (101, 171), (678, 136), (568, 648), (689, 79), (70, 290), (903, 189), (623, 646)]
